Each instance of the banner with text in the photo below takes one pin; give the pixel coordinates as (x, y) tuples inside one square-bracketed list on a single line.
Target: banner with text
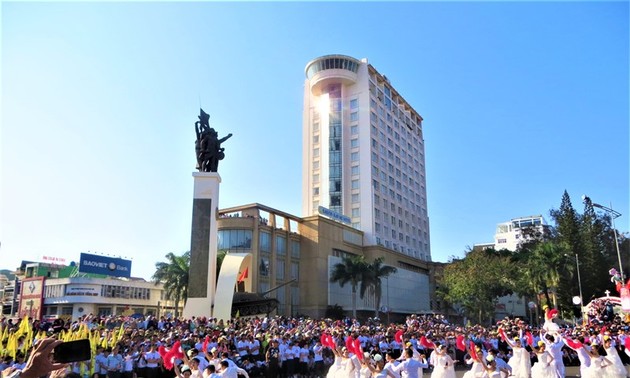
[(109, 266)]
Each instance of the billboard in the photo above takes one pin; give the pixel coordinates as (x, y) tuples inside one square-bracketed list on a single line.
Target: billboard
[(32, 294), (105, 265)]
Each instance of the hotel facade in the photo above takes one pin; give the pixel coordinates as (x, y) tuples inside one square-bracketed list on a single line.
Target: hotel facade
[(363, 155)]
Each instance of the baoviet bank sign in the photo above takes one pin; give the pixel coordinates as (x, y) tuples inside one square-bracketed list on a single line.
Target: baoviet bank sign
[(109, 266)]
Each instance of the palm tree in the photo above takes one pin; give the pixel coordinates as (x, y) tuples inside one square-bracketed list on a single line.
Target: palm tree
[(350, 269), (372, 278), (173, 274)]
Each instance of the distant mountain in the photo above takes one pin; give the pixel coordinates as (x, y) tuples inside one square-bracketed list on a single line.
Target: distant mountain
[(8, 273)]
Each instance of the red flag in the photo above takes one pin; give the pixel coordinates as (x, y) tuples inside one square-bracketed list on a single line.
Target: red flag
[(357, 349), (243, 275), (530, 338), (426, 343), (349, 345), (460, 343), (627, 343), (575, 344), (398, 336)]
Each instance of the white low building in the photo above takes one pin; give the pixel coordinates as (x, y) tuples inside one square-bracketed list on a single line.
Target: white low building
[(77, 296)]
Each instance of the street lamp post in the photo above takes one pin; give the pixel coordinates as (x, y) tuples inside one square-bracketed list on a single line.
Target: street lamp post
[(613, 215), (577, 265)]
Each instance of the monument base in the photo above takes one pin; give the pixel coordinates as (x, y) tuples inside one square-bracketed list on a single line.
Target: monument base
[(198, 307), (203, 245)]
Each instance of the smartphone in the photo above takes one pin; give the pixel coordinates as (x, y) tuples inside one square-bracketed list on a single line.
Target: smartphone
[(73, 351)]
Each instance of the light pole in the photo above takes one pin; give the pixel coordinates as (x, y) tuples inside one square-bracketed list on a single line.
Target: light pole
[(577, 265), (613, 215)]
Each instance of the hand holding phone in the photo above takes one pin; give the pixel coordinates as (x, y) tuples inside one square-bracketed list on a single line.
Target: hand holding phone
[(72, 351)]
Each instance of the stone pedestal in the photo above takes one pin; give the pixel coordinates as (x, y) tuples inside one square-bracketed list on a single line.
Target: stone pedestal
[(203, 245)]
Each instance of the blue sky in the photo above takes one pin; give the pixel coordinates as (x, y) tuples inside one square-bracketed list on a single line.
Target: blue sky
[(520, 101)]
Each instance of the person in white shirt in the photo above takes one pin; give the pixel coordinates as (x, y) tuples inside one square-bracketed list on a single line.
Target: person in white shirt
[(228, 371), (254, 349), (391, 364)]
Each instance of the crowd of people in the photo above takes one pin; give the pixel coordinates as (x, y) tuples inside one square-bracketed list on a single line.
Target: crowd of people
[(125, 347)]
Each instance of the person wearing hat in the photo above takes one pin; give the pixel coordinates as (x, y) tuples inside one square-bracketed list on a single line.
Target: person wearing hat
[(546, 365), (183, 372), (520, 361)]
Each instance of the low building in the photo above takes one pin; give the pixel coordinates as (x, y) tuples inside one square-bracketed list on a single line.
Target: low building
[(293, 258), (60, 291)]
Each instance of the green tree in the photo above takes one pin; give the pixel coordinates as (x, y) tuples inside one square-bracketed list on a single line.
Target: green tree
[(173, 275), (476, 281), (599, 250), (350, 270), (541, 267), (371, 282), (568, 233)]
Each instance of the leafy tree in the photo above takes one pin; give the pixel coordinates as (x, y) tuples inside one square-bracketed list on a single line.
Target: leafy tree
[(541, 267), (599, 250), (477, 280), (173, 274), (350, 270), (371, 281)]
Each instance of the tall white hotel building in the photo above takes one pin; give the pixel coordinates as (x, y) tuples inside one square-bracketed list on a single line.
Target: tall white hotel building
[(364, 154)]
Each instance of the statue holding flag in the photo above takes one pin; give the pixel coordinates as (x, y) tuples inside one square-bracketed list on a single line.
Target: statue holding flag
[(208, 148)]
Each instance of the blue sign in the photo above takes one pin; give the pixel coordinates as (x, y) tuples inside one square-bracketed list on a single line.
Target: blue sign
[(334, 215), (108, 266)]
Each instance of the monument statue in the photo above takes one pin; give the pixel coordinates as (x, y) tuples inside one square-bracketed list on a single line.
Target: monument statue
[(208, 145)]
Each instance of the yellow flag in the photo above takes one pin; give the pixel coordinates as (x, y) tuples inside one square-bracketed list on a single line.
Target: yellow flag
[(12, 345)]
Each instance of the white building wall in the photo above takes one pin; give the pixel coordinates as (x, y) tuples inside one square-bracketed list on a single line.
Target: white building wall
[(85, 296), (394, 136)]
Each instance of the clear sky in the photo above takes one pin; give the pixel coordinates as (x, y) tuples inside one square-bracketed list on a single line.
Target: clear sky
[(520, 101)]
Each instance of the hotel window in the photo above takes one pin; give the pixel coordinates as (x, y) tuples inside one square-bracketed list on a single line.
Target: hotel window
[(229, 239), (315, 178), (265, 242), (280, 269), (355, 184), (295, 249), (377, 214), (356, 213), (354, 156), (377, 199), (354, 116), (355, 170), (316, 139), (281, 245), (354, 103), (295, 271), (354, 130), (316, 152), (377, 227), (354, 142), (355, 198), (316, 164), (316, 191)]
